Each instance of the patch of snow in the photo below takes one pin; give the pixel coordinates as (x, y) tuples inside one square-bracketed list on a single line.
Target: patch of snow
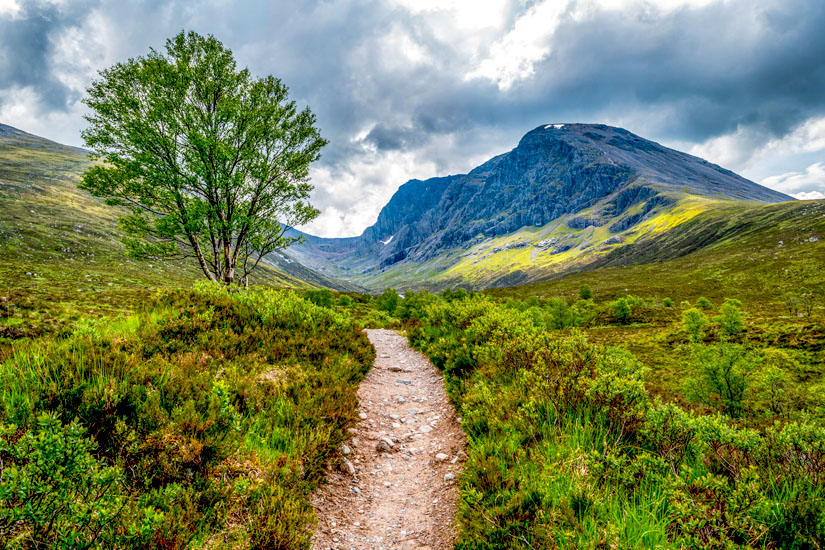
[(556, 126), (388, 241)]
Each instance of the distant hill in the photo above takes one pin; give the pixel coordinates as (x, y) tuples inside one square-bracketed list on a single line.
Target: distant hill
[(566, 196), (54, 234)]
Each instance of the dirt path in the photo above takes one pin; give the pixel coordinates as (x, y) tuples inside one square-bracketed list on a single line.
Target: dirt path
[(399, 493)]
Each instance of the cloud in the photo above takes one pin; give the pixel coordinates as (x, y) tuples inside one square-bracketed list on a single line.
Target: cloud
[(418, 88), (807, 184)]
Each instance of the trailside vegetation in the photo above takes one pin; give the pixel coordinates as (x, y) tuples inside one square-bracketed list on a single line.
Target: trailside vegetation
[(568, 449), (209, 162), (202, 420)]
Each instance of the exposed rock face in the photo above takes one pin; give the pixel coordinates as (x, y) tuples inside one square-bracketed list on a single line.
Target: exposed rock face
[(555, 170)]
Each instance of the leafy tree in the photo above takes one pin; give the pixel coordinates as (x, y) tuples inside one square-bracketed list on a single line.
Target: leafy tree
[(730, 316), (695, 323), (622, 310), (585, 292), (667, 302), (703, 303), (388, 300), (345, 300), (724, 373), (210, 162)]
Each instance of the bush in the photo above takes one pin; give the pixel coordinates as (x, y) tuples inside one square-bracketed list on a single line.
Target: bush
[(320, 297), (622, 310), (667, 302), (703, 303), (585, 292), (345, 301), (730, 316), (55, 493), (724, 373), (198, 402), (388, 301), (695, 322)]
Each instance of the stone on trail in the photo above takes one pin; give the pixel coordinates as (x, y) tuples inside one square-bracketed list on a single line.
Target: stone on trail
[(345, 450), (441, 457), (347, 467)]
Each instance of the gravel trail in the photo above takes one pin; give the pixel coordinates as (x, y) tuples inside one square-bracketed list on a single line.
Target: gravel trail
[(395, 486)]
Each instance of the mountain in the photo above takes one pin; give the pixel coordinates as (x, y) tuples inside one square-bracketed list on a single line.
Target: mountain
[(54, 235), (565, 196)]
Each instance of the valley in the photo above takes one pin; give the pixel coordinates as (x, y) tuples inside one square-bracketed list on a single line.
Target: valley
[(583, 344)]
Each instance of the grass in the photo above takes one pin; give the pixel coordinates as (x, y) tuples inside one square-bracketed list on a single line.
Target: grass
[(210, 417), (568, 449)]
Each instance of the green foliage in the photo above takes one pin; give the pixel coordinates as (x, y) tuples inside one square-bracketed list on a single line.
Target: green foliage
[(668, 302), (703, 303), (585, 292), (207, 405), (321, 297), (622, 310), (695, 322), (567, 449), (345, 301), (730, 317), (202, 155), (54, 493), (725, 371), (388, 301)]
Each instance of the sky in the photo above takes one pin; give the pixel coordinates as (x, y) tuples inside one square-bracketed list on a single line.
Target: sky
[(408, 89)]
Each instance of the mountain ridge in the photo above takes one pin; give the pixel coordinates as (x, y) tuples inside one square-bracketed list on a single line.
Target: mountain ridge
[(592, 175)]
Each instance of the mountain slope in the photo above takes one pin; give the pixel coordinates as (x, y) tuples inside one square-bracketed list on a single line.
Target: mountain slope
[(568, 193), (53, 235)]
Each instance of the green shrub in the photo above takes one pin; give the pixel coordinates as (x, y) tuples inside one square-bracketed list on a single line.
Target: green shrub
[(724, 373), (730, 317), (345, 301), (388, 301), (585, 292), (668, 302), (567, 450), (703, 303), (622, 310), (695, 322), (206, 404), (55, 493), (320, 297)]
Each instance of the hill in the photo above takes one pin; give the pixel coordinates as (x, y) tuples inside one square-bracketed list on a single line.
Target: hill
[(566, 196), (58, 240)]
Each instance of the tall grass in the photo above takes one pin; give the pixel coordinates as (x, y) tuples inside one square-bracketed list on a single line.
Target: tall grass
[(568, 450), (209, 415)]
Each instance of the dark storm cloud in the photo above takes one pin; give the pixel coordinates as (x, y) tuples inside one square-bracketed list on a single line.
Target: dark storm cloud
[(26, 48)]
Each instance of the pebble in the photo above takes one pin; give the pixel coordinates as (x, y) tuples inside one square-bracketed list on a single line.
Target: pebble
[(362, 416), (441, 457), (345, 450), (449, 476)]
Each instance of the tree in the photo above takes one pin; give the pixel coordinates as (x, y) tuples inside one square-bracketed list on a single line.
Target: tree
[(622, 310), (667, 302), (210, 162), (695, 323), (388, 300), (730, 316), (725, 371), (585, 292)]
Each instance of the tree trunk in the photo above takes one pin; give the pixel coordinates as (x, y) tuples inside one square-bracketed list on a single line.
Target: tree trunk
[(201, 260)]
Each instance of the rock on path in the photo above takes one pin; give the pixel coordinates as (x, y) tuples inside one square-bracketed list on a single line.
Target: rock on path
[(402, 494)]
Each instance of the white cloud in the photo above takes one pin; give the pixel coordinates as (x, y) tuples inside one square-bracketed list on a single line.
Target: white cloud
[(512, 58), (809, 195), (9, 8), (805, 183)]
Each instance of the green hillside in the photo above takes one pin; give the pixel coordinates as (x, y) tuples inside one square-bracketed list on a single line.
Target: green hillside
[(60, 247)]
